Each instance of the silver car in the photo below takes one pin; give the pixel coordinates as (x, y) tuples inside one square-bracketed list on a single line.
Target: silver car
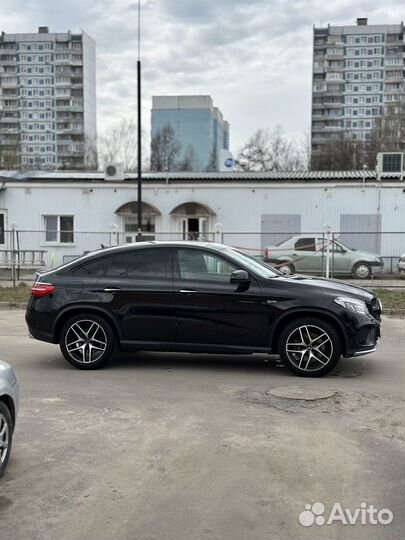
[(307, 254), (9, 396), (401, 264)]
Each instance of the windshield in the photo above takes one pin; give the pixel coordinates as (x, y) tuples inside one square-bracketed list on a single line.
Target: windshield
[(255, 265)]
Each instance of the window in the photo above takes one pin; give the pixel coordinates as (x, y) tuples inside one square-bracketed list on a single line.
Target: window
[(93, 268), (59, 229), (118, 266), (149, 264), (305, 244), (199, 265), (2, 225)]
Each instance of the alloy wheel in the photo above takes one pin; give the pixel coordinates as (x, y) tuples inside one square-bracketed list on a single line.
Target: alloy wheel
[(4, 438), (309, 348), (85, 341)]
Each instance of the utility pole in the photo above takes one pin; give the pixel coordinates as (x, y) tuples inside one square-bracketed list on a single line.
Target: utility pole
[(139, 106)]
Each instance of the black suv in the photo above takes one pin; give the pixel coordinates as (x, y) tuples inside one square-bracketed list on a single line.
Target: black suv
[(198, 297)]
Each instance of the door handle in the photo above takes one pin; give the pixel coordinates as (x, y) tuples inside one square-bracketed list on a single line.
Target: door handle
[(187, 291), (111, 290)]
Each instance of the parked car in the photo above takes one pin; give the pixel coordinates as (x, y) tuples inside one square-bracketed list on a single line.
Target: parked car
[(401, 264), (8, 412), (198, 297), (307, 254)]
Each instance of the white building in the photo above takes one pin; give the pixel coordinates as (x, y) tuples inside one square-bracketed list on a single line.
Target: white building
[(357, 73), (65, 214), (47, 100)]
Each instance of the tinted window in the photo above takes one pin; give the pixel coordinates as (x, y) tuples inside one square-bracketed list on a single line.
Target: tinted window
[(1, 228), (93, 268), (305, 244), (148, 263), (196, 264), (118, 266)]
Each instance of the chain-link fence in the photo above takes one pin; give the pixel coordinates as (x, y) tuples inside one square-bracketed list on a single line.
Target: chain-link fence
[(22, 252)]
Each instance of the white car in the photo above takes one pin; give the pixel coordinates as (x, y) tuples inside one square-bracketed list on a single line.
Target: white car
[(401, 264), (8, 412)]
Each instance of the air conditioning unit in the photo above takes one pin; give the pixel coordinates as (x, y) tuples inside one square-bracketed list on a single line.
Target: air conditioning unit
[(390, 162), (114, 171)]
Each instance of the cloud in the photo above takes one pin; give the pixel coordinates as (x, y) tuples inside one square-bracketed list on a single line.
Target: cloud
[(253, 57)]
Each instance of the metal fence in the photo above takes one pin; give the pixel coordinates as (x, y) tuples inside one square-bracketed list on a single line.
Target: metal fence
[(22, 252)]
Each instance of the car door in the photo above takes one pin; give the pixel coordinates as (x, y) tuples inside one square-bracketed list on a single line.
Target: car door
[(341, 259), (306, 257), (211, 311), (138, 289)]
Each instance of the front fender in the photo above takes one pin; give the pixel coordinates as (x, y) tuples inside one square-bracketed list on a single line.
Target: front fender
[(294, 313)]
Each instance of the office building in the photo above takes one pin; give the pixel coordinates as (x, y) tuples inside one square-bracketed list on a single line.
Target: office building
[(47, 100), (199, 128)]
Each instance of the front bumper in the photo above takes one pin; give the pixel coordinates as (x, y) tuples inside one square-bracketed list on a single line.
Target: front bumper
[(363, 336)]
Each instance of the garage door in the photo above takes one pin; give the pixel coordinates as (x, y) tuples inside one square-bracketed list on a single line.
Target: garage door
[(361, 231), (278, 227)]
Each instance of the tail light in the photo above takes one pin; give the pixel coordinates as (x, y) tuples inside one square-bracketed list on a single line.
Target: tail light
[(267, 253), (42, 289)]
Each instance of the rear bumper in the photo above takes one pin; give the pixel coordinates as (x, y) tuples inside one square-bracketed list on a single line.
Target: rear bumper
[(35, 328)]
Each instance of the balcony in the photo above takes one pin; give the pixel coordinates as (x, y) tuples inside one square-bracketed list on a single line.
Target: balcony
[(333, 104), (8, 129)]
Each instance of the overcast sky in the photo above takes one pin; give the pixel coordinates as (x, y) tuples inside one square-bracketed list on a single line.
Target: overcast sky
[(253, 57)]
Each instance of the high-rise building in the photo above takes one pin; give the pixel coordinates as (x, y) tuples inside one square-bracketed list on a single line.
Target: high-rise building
[(47, 100), (198, 126), (358, 71)]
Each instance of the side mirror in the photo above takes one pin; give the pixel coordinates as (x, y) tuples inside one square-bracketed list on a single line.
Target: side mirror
[(240, 276)]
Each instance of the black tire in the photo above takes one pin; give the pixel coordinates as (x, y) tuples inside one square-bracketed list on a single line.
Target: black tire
[(289, 268), (95, 341), (362, 270), (310, 359), (6, 431)]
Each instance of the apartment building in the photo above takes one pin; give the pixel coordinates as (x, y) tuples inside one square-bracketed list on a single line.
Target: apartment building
[(200, 129), (47, 100), (358, 71)]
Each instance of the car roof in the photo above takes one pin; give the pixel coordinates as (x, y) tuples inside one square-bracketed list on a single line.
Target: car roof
[(138, 245)]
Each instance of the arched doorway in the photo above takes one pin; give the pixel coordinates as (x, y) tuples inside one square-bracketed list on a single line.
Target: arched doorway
[(127, 214), (193, 221)]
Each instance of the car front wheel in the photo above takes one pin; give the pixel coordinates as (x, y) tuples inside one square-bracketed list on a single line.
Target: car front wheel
[(310, 347), (87, 341), (286, 269), (362, 270), (6, 436)]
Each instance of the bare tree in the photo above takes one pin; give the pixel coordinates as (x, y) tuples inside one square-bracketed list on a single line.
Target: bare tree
[(188, 159), (90, 153), (269, 151), (120, 144), (213, 162), (9, 155), (346, 152), (165, 150)]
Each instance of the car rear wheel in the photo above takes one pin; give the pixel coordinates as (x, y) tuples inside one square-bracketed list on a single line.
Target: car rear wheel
[(362, 270), (6, 436), (87, 341), (310, 347)]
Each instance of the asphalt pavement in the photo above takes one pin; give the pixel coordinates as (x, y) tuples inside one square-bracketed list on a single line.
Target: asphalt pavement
[(194, 447)]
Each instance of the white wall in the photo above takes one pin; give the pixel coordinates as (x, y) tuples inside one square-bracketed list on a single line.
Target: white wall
[(238, 207)]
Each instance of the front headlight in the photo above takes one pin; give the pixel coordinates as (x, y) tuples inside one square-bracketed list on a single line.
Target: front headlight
[(352, 304)]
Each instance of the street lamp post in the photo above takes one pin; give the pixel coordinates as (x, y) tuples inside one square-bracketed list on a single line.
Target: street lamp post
[(139, 142)]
